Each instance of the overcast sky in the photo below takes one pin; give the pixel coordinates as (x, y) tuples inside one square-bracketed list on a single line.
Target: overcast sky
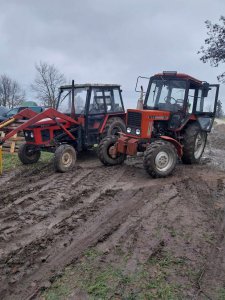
[(107, 41)]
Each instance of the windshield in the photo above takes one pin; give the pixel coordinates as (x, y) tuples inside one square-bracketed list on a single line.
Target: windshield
[(65, 101), (166, 95), (12, 112)]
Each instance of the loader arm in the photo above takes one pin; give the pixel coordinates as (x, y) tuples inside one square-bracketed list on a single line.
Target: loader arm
[(33, 118)]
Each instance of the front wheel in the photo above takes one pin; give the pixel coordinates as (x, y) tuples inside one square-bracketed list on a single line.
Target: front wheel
[(28, 154), (64, 158), (160, 159), (105, 150)]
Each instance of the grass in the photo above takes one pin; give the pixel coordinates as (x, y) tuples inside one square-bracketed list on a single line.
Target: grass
[(164, 260), (221, 294), (99, 280), (59, 292), (11, 161)]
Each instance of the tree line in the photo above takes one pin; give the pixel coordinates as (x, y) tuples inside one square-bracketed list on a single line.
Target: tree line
[(45, 86)]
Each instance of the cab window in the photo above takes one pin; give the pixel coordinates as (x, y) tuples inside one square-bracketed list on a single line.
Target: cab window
[(206, 104), (97, 104)]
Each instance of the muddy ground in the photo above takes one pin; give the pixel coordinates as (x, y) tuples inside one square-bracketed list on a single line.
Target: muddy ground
[(113, 232)]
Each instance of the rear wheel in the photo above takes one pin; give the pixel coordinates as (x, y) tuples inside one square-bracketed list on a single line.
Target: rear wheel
[(105, 150), (28, 154), (64, 158), (113, 126), (194, 144), (160, 159)]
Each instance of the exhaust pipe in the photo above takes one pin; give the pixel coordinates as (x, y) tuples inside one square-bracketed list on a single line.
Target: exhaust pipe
[(140, 100)]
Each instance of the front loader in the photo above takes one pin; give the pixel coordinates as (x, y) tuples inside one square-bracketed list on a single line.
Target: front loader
[(85, 114), (171, 123)]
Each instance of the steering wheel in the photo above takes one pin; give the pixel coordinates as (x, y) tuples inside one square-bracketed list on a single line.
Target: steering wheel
[(169, 99)]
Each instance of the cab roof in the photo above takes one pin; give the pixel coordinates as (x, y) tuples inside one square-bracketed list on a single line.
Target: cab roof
[(87, 85), (174, 74)]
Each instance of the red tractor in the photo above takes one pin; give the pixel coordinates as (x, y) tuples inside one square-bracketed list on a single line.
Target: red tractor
[(85, 114), (177, 113)]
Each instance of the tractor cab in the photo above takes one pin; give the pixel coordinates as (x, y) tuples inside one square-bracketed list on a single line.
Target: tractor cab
[(93, 105), (184, 97), (90, 99)]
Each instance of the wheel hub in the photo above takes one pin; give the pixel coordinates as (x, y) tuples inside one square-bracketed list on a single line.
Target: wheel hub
[(163, 161), (67, 159), (112, 152)]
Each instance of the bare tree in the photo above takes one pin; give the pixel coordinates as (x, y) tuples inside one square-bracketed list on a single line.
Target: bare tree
[(46, 83), (214, 50), (11, 94)]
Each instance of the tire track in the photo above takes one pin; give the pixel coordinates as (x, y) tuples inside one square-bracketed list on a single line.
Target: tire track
[(62, 193), (98, 226), (58, 226)]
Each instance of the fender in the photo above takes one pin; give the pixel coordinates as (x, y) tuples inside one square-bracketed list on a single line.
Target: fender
[(178, 146)]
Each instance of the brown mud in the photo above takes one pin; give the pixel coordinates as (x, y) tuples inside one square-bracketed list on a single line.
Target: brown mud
[(48, 220)]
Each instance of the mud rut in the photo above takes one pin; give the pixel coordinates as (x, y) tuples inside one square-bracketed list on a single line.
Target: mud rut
[(48, 220)]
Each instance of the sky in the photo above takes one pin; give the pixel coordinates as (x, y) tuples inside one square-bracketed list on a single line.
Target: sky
[(106, 41)]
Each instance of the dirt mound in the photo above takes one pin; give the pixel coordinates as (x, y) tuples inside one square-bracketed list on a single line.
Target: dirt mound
[(220, 128), (216, 139)]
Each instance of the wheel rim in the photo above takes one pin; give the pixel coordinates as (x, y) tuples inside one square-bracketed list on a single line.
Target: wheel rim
[(110, 151), (163, 161), (67, 159), (199, 145)]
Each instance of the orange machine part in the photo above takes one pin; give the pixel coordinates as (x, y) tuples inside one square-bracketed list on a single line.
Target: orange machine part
[(127, 145), (148, 117)]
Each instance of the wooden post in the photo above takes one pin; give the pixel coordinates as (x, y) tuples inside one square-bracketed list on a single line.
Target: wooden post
[(13, 143)]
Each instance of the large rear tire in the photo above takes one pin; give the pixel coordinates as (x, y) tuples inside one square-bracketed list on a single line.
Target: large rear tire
[(65, 158), (104, 152), (113, 126), (160, 159), (28, 154), (194, 144)]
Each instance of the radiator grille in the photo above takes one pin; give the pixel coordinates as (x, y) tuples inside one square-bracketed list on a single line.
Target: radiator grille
[(134, 119)]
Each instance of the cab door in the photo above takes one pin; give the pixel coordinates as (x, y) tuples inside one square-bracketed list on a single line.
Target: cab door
[(205, 106), (96, 112)]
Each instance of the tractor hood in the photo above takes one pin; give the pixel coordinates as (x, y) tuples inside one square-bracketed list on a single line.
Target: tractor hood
[(135, 116), (140, 122)]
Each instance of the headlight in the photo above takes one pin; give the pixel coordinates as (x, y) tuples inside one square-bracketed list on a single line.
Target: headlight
[(31, 135), (128, 130), (26, 134), (138, 131)]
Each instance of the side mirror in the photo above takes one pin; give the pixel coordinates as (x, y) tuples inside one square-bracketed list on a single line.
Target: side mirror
[(142, 81), (205, 89)]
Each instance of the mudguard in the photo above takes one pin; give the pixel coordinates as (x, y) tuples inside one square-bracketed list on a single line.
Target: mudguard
[(178, 146)]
